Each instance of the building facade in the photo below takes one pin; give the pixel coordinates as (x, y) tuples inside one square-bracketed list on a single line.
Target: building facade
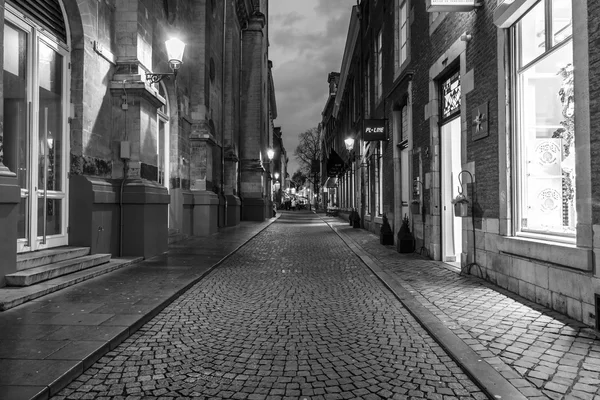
[(488, 106), (96, 152)]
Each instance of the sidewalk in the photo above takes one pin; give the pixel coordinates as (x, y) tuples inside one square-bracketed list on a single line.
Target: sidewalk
[(48, 342), (509, 344)]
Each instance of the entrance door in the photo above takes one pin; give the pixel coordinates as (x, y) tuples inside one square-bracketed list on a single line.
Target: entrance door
[(36, 148), (450, 168)]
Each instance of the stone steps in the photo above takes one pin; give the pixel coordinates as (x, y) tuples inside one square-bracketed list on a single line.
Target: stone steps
[(60, 263), (49, 256), (13, 296)]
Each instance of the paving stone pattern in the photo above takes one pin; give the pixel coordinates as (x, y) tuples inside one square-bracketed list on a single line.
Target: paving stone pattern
[(541, 352), (292, 315)]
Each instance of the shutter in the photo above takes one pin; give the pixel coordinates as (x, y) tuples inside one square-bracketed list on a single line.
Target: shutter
[(47, 13)]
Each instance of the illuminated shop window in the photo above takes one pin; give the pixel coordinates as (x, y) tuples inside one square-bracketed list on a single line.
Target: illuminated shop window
[(545, 126)]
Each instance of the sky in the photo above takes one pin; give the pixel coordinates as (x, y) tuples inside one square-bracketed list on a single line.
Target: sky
[(307, 39)]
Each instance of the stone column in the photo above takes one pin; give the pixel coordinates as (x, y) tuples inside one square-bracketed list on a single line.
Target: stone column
[(253, 126), (203, 138), (145, 203), (231, 92)]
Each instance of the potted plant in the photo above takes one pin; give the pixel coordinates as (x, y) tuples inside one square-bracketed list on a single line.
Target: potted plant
[(354, 219), (415, 207), (461, 205), (406, 241), (386, 235)]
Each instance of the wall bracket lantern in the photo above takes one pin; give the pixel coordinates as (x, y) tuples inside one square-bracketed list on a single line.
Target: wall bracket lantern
[(175, 48)]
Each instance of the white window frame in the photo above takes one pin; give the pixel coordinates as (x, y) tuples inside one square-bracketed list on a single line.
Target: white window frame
[(519, 178), (401, 35), (162, 115)]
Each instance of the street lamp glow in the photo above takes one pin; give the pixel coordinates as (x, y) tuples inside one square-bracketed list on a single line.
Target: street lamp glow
[(349, 143), (270, 153), (175, 48), (276, 175)]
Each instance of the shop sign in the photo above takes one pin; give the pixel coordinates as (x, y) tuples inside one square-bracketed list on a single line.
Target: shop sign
[(374, 130), (451, 5)]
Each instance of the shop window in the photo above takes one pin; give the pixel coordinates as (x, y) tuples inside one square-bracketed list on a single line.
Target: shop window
[(400, 35), (545, 121), (367, 89), (379, 178), (378, 60)]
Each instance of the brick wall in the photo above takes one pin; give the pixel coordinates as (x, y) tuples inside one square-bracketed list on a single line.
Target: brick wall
[(594, 53)]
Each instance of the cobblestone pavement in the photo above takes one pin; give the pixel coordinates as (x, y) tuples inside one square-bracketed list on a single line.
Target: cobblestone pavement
[(292, 315), (544, 354)]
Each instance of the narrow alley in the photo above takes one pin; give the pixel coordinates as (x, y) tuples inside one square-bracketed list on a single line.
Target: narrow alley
[(292, 314)]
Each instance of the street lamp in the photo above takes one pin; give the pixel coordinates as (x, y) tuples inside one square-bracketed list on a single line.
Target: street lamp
[(349, 143), (276, 175), (270, 154), (175, 48)]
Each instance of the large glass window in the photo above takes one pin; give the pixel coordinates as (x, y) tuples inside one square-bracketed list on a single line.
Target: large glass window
[(378, 66), (400, 34), (544, 113), (379, 177), (367, 89)]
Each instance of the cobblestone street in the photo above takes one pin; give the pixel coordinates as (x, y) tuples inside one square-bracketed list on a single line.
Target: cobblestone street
[(294, 314)]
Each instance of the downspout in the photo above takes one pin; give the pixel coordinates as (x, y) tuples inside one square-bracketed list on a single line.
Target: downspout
[(223, 113), (125, 170), (241, 77), (362, 83)]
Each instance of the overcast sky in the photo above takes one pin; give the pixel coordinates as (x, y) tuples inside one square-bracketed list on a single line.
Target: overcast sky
[(307, 39)]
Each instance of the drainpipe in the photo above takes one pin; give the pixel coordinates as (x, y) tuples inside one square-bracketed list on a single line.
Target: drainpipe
[(241, 72), (223, 113)]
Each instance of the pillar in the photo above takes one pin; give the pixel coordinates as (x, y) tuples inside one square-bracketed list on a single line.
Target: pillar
[(253, 126)]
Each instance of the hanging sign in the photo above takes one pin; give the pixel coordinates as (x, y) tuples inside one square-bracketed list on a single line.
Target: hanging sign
[(374, 130), (451, 5)]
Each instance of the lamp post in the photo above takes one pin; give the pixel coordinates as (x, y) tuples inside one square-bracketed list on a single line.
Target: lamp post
[(175, 49)]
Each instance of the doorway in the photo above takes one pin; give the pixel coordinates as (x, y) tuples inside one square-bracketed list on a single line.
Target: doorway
[(35, 131), (450, 134)]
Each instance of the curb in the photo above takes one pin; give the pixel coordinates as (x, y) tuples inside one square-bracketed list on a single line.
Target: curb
[(490, 381)]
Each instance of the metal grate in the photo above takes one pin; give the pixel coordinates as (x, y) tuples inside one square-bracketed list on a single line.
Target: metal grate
[(47, 13)]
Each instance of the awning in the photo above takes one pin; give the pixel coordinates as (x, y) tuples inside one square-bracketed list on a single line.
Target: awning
[(335, 164), (331, 182)]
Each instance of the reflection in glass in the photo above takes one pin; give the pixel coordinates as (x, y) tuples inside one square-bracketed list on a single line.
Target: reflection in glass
[(50, 118), (562, 20), (53, 217), (16, 139), (161, 152), (532, 34), (548, 144)]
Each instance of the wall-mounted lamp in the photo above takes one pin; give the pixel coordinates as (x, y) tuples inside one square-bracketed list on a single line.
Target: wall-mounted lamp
[(465, 37), (276, 175), (349, 144), (175, 48), (270, 154)]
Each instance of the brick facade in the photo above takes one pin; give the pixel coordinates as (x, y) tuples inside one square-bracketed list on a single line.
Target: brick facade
[(477, 45)]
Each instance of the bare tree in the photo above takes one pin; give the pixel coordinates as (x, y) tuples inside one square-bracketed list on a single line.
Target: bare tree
[(308, 152)]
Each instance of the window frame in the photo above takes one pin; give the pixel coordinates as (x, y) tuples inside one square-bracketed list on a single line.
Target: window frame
[(519, 179), (401, 42)]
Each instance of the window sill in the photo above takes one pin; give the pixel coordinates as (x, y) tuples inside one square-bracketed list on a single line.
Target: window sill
[(561, 254), (378, 220)]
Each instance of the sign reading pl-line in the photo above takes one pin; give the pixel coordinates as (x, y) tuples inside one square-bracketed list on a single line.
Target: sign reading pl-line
[(451, 5)]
